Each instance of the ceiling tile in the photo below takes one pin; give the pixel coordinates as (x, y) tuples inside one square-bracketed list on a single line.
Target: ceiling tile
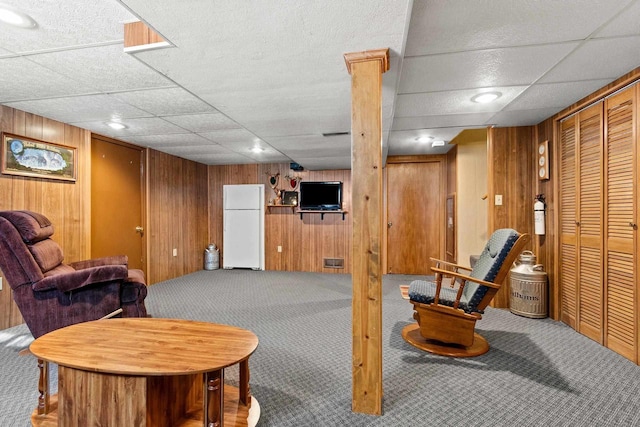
[(168, 140), (21, 79), (404, 142), (313, 145), (522, 117), (549, 95), (65, 23), (459, 25), (288, 78), (597, 59), (80, 108), (181, 150), (169, 101), (220, 159), (105, 68), (445, 134), (230, 136), (483, 68), (445, 120), (453, 102), (625, 24), (142, 126), (203, 122)]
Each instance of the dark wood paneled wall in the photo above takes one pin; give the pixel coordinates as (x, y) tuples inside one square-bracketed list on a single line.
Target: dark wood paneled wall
[(305, 242), (543, 246), (511, 153), (176, 216), (66, 204)]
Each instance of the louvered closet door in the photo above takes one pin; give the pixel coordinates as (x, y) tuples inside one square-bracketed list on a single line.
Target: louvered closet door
[(620, 219), (568, 254), (590, 223)]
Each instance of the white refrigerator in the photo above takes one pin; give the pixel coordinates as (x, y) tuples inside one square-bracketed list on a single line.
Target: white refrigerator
[(243, 217)]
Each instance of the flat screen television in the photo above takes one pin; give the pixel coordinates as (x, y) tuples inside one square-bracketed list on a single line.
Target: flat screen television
[(321, 195)]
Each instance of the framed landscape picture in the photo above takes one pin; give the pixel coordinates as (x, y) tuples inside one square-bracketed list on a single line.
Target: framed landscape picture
[(39, 159)]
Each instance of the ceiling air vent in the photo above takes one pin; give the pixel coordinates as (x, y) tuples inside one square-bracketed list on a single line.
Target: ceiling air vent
[(333, 263)]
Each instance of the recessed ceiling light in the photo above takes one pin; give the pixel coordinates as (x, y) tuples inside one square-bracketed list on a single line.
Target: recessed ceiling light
[(14, 17), (437, 143), (116, 125), (424, 138), (483, 98), (257, 149)]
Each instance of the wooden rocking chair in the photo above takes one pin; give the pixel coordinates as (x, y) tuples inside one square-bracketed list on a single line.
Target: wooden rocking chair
[(447, 314)]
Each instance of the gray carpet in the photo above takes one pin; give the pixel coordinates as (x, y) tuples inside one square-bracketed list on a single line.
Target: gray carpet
[(538, 372)]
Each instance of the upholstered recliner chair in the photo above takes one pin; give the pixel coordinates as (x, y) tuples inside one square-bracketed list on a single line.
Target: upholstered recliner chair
[(447, 312), (51, 294)]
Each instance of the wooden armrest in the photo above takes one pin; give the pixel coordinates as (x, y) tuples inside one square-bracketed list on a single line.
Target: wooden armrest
[(464, 277), (462, 267)]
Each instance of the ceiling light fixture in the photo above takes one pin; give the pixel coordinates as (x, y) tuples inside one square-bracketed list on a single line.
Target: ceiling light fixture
[(437, 143), (486, 97), (424, 139), (116, 125), (14, 17)]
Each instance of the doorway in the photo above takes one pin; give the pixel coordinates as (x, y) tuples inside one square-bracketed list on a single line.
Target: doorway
[(117, 171), (416, 190)]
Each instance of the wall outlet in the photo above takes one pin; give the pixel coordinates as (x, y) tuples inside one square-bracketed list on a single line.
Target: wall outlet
[(498, 200), (279, 248), (175, 251)]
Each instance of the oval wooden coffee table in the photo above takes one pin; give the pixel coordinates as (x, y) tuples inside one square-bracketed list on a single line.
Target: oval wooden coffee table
[(145, 372)]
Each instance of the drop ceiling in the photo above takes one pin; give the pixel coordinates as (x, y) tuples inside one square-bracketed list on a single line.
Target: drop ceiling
[(271, 73)]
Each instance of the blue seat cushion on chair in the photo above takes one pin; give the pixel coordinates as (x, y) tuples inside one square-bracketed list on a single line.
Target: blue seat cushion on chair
[(424, 292), (486, 268), (489, 263)]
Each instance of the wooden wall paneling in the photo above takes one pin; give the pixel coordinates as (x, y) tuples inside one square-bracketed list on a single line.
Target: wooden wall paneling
[(511, 174), (215, 205), (177, 216), (304, 241), (544, 246), (195, 237), (66, 204)]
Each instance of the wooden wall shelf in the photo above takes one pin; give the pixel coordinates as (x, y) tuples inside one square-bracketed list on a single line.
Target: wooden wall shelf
[(293, 207), (322, 213)]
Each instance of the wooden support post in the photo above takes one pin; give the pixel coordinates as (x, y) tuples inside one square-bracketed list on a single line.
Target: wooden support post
[(366, 69)]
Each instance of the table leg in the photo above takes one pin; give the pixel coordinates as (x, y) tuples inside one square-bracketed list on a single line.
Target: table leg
[(213, 399), (43, 387), (244, 389)]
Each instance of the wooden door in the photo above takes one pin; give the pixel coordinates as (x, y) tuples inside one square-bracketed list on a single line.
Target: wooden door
[(415, 215), (590, 223), (621, 303), (568, 222), (116, 201)]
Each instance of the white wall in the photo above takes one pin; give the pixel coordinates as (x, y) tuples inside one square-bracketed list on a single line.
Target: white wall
[(471, 167)]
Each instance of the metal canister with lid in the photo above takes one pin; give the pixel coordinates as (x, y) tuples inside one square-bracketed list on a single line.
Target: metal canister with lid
[(528, 293)]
